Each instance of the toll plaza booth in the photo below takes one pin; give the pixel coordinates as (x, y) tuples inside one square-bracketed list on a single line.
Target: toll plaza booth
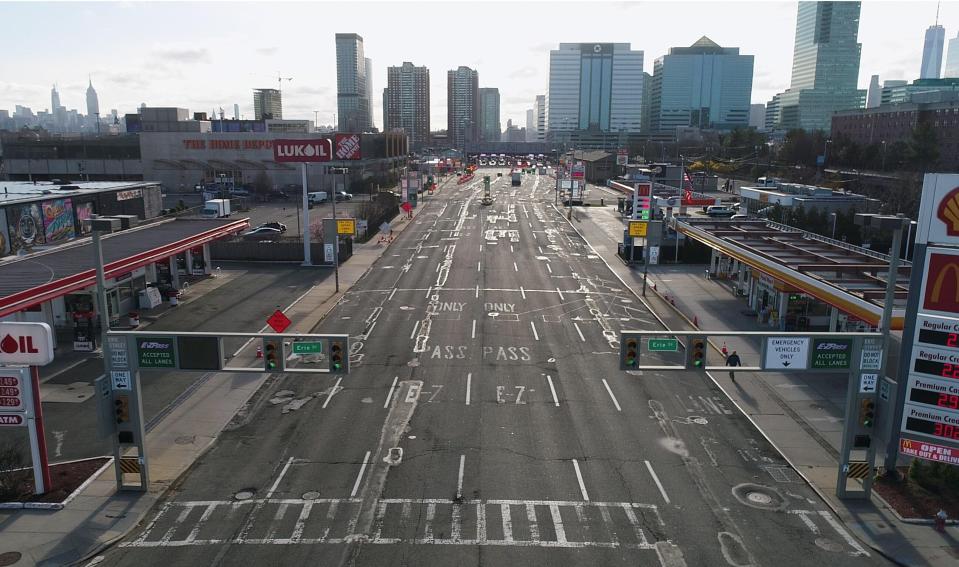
[(796, 280), (145, 267)]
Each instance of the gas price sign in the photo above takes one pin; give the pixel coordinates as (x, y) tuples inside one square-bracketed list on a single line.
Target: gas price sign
[(932, 395)]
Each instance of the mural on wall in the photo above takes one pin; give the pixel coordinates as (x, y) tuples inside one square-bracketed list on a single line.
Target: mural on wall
[(25, 224), (84, 211), (4, 237), (57, 219)]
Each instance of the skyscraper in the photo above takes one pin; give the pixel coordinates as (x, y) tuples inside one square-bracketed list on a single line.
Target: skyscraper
[(462, 104), (594, 86), (952, 59), (530, 125), (825, 68), (757, 116), (54, 99), (489, 114), (932, 52), (406, 102), (93, 103), (236, 111), (874, 94), (267, 104), (703, 85), (539, 109), (369, 89), (352, 97)]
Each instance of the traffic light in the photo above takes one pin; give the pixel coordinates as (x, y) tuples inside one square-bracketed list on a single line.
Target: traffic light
[(122, 405), (339, 358), (867, 412), (272, 357), (629, 352), (697, 353)]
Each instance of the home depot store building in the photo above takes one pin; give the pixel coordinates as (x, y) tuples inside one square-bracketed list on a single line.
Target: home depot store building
[(180, 160)]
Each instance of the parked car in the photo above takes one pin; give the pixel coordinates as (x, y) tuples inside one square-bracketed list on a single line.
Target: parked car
[(719, 211), (262, 233), (240, 192), (273, 224), (344, 196), (739, 216)]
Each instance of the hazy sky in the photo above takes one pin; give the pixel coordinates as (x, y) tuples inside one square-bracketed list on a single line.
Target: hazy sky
[(203, 56)]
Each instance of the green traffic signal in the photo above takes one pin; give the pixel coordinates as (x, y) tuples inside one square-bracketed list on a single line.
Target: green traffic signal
[(270, 356), (336, 356)]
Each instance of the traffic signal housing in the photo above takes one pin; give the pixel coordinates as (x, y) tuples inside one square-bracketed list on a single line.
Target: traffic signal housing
[(697, 354), (121, 404), (272, 356), (339, 357), (629, 352), (867, 412)]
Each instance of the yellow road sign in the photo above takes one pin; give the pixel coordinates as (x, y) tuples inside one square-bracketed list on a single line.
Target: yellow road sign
[(638, 228), (346, 226)]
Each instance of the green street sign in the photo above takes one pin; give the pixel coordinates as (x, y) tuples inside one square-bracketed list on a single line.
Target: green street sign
[(302, 347), (663, 345), (156, 352), (831, 354)]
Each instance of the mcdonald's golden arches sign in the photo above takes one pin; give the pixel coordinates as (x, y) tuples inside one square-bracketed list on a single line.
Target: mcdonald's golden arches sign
[(940, 288)]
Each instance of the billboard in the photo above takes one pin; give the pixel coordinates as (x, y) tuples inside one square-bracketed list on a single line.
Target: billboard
[(939, 210), (25, 225), (84, 212), (58, 221), (295, 151), (348, 147)]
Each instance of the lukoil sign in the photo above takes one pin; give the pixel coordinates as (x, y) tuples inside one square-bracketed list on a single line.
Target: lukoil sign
[(302, 150), (26, 343)]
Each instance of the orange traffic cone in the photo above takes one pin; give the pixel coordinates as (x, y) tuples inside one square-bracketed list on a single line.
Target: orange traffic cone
[(259, 351)]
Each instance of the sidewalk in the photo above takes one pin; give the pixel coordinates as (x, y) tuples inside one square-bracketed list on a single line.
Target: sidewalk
[(99, 516), (799, 413)]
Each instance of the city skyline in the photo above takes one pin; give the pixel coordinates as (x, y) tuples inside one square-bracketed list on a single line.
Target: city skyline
[(230, 67)]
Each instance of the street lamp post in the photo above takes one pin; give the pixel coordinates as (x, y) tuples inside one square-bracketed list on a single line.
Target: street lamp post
[(336, 242)]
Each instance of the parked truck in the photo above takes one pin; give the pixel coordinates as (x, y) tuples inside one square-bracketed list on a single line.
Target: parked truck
[(517, 178), (216, 209)]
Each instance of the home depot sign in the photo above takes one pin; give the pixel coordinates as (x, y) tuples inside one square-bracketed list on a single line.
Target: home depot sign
[(26, 343)]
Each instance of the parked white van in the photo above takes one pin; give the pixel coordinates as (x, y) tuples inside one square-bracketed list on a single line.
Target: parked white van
[(318, 197)]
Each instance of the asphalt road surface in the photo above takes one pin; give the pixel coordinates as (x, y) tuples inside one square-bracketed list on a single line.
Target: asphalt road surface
[(485, 422)]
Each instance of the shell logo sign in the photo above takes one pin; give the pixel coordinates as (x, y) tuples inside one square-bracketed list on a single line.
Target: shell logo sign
[(941, 286), (949, 212)]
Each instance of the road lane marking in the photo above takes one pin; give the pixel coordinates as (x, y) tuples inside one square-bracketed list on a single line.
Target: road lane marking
[(481, 247), (581, 337), (392, 293), (359, 477), (535, 334), (579, 478), (515, 268), (276, 483), (553, 390), (511, 251), (333, 391), (459, 479), (561, 297), (477, 292), (540, 248), (481, 523), (507, 522), (522, 292), (548, 268), (428, 524), (608, 389), (557, 523), (469, 382), (416, 327), (531, 519), (389, 396), (473, 334), (659, 485), (834, 524), (199, 524), (429, 291)]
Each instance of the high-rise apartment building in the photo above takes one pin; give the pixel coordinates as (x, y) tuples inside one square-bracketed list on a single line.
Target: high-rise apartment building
[(757, 116), (369, 90), (825, 69), (352, 97), (874, 94), (932, 52), (462, 104), (489, 114), (406, 102), (952, 59), (595, 86), (267, 104), (93, 103), (539, 110), (703, 85)]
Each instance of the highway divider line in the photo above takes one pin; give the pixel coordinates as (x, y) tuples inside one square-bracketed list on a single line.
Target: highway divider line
[(469, 384), (333, 392), (659, 485), (392, 293), (276, 483), (389, 396), (459, 479), (579, 478), (359, 477), (553, 390), (615, 401)]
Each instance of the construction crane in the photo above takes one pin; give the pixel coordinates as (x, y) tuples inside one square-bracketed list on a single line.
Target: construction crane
[(279, 81)]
